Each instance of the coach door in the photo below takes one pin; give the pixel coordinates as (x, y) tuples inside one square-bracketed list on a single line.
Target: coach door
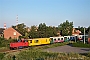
[(51, 40)]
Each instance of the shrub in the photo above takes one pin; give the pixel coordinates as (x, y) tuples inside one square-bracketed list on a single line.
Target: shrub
[(5, 43)]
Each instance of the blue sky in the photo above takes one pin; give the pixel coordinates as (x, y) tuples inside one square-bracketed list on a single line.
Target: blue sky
[(51, 12)]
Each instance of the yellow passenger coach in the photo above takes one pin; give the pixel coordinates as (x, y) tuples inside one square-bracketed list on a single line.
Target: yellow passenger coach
[(38, 41)]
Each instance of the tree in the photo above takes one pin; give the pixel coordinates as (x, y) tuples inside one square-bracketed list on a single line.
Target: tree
[(51, 31), (42, 30), (46, 31), (33, 32), (81, 29), (87, 30), (66, 28)]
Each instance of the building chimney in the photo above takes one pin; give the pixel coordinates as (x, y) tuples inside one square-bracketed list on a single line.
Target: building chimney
[(4, 25)]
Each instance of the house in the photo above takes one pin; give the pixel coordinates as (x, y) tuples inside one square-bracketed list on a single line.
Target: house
[(1, 32), (11, 33), (75, 32)]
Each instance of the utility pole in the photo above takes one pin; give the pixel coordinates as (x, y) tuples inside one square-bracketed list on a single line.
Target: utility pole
[(84, 35), (75, 39)]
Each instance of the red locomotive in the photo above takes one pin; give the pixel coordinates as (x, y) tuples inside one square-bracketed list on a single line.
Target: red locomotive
[(20, 44)]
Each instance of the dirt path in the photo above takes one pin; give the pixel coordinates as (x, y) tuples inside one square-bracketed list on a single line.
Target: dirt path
[(68, 49)]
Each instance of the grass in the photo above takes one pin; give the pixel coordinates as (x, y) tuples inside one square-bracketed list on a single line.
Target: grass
[(2, 49), (35, 54), (1, 56), (80, 44)]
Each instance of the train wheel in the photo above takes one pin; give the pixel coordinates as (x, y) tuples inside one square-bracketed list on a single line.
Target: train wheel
[(15, 48), (25, 46), (20, 47), (10, 48)]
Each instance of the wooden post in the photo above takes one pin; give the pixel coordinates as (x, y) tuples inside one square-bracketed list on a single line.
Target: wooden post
[(84, 35)]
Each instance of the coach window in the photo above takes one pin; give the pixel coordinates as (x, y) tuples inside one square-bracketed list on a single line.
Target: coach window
[(36, 41), (54, 39), (61, 38), (30, 41), (68, 37), (58, 38)]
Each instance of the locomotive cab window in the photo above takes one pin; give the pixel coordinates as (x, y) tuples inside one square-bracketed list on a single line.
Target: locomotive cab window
[(25, 41), (36, 41), (19, 41)]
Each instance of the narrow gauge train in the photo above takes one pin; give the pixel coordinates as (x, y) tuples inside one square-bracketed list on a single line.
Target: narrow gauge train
[(36, 41), (41, 41), (29, 42)]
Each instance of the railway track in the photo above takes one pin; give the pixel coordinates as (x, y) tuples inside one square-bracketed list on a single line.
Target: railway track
[(17, 50), (10, 51)]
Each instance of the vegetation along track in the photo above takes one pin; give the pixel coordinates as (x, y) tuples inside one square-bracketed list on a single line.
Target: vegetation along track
[(35, 47), (10, 51)]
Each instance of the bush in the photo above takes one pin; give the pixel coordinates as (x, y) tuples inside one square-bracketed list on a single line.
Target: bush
[(5, 43)]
